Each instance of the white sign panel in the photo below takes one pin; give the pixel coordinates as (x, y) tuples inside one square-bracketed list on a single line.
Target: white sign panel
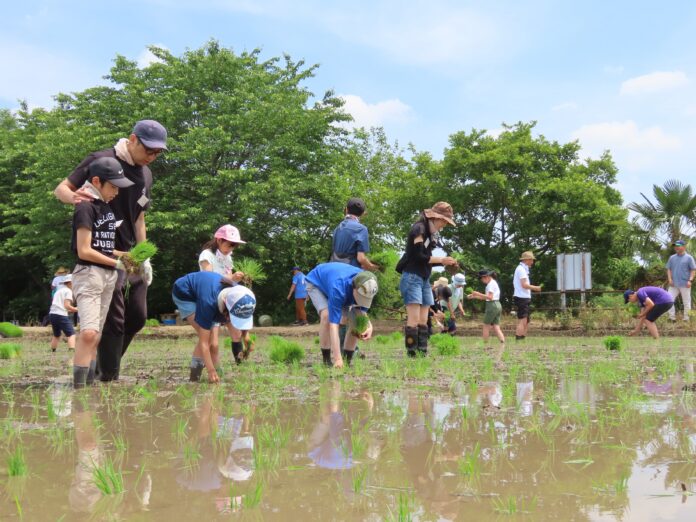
[(574, 271)]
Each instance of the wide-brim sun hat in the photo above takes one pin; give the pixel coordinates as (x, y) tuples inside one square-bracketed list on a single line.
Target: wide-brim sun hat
[(241, 303), (365, 286), (441, 210), (229, 233), (442, 281), (61, 271), (527, 255), (459, 279)]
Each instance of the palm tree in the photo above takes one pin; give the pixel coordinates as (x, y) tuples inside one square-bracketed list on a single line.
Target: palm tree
[(672, 216)]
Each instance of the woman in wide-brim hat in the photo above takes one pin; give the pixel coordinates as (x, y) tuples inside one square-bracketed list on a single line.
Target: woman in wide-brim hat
[(415, 267)]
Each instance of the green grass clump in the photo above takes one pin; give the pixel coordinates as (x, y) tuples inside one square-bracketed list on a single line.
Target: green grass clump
[(16, 463), (152, 322), (10, 351), (445, 344), (142, 251), (397, 336), (614, 342), (10, 330), (284, 351)]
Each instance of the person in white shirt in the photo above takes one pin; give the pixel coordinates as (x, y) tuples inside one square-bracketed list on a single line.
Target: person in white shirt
[(491, 317), (523, 293), (58, 315)]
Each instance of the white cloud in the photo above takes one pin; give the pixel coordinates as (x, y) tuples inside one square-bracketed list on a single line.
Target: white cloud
[(566, 106), (654, 82), (36, 74), (633, 148), (376, 114), (147, 57)]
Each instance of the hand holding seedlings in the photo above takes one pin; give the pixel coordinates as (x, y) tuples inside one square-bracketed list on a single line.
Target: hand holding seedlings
[(237, 276)]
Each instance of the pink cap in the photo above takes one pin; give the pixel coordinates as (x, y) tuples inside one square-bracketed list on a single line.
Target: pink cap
[(229, 233)]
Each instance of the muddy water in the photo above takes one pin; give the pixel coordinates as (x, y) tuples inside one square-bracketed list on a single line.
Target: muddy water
[(576, 452)]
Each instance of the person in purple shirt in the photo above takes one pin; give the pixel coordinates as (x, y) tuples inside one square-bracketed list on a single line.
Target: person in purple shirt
[(653, 302)]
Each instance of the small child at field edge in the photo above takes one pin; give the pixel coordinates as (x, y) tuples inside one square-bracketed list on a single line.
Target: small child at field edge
[(59, 316), (491, 318)]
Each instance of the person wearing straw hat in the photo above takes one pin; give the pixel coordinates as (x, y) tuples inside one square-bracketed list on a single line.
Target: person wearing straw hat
[(491, 295), (58, 279), (681, 269), (415, 267), (522, 296)]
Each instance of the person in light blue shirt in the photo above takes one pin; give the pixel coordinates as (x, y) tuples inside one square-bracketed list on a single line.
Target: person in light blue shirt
[(681, 269), (351, 241), (299, 288)]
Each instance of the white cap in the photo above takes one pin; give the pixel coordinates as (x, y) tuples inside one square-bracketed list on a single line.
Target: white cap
[(241, 303), (459, 279)]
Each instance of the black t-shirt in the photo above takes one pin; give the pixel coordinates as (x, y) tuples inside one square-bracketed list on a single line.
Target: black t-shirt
[(100, 219), (416, 259), (130, 201)]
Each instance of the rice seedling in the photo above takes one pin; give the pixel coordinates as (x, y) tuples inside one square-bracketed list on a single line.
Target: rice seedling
[(10, 330), (445, 344), (10, 350), (107, 478), (614, 343), (469, 465), (252, 269), (253, 498), (284, 351), (191, 455), (359, 479), (120, 443), (404, 509), (512, 505), (359, 325), (17, 463)]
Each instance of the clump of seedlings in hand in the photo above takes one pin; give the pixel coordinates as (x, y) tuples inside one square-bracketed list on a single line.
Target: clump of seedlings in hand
[(360, 325), (10, 351), (253, 271), (284, 351), (137, 255)]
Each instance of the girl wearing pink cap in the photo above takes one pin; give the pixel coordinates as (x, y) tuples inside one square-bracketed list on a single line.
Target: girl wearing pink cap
[(217, 257)]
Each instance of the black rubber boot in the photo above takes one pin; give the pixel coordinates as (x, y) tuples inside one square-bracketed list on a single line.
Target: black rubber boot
[(197, 366), (423, 337), (349, 356), (237, 350), (80, 376), (326, 356), (109, 357), (90, 373), (411, 340)]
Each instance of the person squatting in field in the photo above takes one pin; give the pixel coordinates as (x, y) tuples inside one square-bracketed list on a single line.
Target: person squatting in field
[(493, 311), (653, 302), (216, 256), (204, 298), (94, 277), (339, 290), (415, 267), (127, 314)]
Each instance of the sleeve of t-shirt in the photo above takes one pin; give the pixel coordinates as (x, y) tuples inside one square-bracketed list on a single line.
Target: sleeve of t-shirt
[(78, 176), (83, 217), (208, 256), (363, 241)]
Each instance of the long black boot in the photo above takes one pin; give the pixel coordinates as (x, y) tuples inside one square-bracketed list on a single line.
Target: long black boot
[(237, 351), (423, 336), (109, 356), (411, 340)]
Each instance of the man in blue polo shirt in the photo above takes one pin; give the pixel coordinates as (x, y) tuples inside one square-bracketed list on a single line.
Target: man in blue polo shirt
[(681, 269), (337, 290), (351, 240)]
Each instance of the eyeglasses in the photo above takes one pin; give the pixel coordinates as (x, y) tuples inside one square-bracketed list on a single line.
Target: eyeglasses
[(149, 151)]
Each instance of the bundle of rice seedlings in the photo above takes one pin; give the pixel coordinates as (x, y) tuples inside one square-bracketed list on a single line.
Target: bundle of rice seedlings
[(360, 324), (137, 256), (614, 343), (152, 322), (253, 271), (445, 344), (10, 351), (10, 330), (284, 351)]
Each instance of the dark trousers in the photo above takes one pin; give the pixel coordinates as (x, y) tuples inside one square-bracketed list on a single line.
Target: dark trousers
[(126, 317), (300, 312)]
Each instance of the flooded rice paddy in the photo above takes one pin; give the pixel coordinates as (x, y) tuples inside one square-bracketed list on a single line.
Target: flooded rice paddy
[(552, 429)]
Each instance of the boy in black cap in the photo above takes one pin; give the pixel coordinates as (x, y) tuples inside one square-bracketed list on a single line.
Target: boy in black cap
[(94, 277), (126, 317)]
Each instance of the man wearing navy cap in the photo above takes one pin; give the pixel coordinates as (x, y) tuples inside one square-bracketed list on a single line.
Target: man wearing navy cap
[(681, 269), (125, 317)]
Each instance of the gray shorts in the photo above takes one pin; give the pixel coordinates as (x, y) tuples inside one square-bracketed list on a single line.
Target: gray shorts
[(93, 287)]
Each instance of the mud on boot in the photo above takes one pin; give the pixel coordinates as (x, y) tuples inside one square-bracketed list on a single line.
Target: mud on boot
[(411, 340)]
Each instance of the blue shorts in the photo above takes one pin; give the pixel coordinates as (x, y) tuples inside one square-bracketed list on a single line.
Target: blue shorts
[(61, 324), (186, 308), (416, 290)]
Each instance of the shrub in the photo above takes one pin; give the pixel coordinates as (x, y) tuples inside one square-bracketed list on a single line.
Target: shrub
[(152, 322), (10, 351), (445, 344), (284, 351), (10, 330), (614, 342)]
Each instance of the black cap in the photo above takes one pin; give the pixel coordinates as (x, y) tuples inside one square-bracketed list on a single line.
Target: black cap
[(109, 169), (356, 206), (151, 133)]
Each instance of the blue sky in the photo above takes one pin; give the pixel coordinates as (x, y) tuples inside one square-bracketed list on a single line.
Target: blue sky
[(615, 75)]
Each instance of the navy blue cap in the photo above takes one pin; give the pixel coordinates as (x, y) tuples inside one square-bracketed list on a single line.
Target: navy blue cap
[(109, 169), (627, 294), (151, 133)]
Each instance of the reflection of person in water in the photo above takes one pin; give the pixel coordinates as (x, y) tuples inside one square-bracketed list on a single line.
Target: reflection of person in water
[(330, 444), (424, 458), (84, 494)]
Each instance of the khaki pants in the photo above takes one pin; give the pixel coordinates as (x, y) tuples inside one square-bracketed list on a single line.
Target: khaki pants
[(686, 300), (93, 287)]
